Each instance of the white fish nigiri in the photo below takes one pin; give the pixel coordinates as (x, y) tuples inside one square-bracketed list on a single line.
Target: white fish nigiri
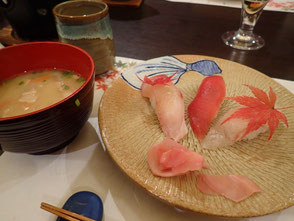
[(222, 135), (257, 115), (167, 100)]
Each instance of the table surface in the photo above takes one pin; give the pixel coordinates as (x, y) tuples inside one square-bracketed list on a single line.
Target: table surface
[(161, 28), (155, 29)]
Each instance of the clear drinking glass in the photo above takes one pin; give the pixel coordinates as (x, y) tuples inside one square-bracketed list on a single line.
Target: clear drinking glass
[(244, 38)]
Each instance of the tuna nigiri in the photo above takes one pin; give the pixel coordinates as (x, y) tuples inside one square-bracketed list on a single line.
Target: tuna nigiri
[(258, 116), (205, 106), (167, 100), (168, 158), (233, 187)]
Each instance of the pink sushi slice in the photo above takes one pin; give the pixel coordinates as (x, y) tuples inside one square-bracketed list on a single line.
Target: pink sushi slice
[(167, 100), (206, 104), (233, 187), (169, 158)]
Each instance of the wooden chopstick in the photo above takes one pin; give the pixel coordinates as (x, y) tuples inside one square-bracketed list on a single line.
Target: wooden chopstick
[(64, 213)]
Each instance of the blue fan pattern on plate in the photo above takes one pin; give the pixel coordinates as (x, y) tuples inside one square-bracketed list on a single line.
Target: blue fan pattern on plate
[(168, 65)]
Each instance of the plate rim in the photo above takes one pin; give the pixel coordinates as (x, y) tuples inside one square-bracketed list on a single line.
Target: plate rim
[(146, 187)]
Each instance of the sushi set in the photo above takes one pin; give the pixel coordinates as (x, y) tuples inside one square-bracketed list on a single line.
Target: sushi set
[(242, 134)]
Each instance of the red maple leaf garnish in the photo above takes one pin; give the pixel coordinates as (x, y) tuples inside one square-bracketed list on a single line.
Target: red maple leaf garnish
[(157, 79), (259, 110)]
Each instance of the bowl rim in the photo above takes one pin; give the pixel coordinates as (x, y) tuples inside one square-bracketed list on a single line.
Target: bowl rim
[(63, 100)]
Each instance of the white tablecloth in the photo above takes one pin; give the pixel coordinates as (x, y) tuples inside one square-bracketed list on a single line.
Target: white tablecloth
[(273, 5), (27, 180)]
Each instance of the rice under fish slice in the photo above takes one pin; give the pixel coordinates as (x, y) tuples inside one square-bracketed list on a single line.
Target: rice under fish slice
[(222, 135)]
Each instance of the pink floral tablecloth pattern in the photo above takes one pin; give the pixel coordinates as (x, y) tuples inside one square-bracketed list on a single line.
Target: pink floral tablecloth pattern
[(273, 5), (103, 81), (285, 5)]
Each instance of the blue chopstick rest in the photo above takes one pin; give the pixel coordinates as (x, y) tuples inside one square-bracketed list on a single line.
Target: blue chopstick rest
[(85, 203)]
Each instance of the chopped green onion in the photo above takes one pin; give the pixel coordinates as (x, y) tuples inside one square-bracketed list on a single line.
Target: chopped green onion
[(81, 79), (77, 102), (21, 83), (67, 74), (66, 87)]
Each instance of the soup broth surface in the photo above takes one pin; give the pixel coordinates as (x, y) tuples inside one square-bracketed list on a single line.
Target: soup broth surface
[(36, 90)]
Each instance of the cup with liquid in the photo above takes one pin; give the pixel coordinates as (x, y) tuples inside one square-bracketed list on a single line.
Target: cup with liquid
[(86, 24)]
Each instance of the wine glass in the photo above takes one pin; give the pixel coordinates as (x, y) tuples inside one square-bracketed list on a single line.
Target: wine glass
[(244, 38)]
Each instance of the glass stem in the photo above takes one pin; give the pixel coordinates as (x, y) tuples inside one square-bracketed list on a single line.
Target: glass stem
[(248, 20)]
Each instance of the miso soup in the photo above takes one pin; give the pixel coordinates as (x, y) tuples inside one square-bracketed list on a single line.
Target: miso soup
[(35, 90)]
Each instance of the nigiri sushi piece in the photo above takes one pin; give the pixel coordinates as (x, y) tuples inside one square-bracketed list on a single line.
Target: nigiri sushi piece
[(258, 116), (222, 135), (233, 187), (206, 104), (167, 100), (168, 158)]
